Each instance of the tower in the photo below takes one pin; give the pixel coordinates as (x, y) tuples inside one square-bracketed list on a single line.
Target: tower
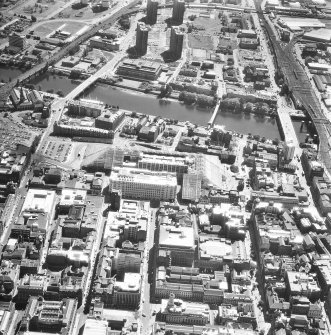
[(178, 11), (151, 16), (289, 150), (141, 38), (176, 42), (171, 301)]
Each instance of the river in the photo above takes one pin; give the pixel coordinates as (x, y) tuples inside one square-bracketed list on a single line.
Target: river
[(149, 104)]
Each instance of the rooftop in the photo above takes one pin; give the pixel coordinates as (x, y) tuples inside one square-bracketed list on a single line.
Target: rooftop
[(93, 327), (39, 201), (143, 176), (182, 237)]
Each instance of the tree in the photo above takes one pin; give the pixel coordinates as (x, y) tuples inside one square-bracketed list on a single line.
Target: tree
[(187, 97), (60, 93), (275, 141), (248, 107), (30, 86), (124, 23), (192, 17), (50, 91), (33, 18), (205, 100)]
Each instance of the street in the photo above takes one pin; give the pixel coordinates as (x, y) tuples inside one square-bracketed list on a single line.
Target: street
[(145, 307)]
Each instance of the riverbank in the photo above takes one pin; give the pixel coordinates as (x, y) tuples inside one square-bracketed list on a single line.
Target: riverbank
[(140, 102)]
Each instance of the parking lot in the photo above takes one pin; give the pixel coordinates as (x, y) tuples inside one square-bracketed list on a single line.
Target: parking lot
[(57, 150)]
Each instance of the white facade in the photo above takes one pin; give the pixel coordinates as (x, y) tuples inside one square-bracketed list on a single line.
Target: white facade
[(289, 150), (39, 201), (143, 184)]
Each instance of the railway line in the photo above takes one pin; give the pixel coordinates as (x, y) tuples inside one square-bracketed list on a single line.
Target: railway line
[(300, 88), (5, 89)]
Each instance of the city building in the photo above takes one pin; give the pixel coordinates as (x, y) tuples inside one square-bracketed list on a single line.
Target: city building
[(98, 42), (9, 273), (177, 311), (85, 107), (248, 43), (143, 184), (302, 284), (5, 320), (190, 284), (38, 201), (178, 242), (191, 189), (163, 328), (71, 197), (151, 16), (74, 130), (95, 326), (126, 293), (36, 211), (312, 167), (109, 120), (139, 69), (131, 220), (49, 316), (36, 99), (12, 166), (172, 164), (321, 193), (178, 11), (216, 252), (176, 41), (289, 150), (31, 285), (141, 38)]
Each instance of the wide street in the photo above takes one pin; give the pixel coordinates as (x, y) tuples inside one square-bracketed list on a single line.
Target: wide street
[(146, 310)]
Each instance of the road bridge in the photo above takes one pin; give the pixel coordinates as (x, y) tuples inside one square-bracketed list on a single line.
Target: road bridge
[(213, 117), (39, 68)]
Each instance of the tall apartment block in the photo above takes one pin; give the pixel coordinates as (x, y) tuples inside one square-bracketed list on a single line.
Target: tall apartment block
[(151, 16), (141, 38), (178, 11), (176, 42)]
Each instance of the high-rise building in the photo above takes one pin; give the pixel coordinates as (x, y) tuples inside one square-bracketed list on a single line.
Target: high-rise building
[(289, 150), (141, 38), (151, 16), (176, 42), (178, 11)]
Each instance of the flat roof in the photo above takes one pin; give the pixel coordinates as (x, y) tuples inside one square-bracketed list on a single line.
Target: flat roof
[(319, 35), (131, 282), (39, 200), (176, 237), (93, 327), (143, 177), (215, 249), (72, 197)]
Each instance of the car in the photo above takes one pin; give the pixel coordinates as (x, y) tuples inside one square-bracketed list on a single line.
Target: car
[(144, 315)]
